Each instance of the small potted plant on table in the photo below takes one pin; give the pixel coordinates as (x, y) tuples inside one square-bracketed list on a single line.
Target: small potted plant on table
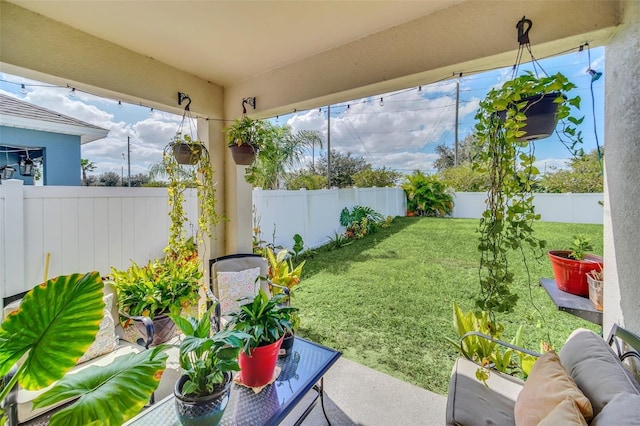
[(284, 274), (202, 392), (266, 321)]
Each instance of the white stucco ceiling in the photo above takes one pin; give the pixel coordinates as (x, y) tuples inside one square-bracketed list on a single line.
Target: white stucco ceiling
[(226, 42)]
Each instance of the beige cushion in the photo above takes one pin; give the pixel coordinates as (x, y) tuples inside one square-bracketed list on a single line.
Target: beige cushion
[(471, 402), (106, 339), (623, 409), (597, 371), (235, 288), (547, 386), (566, 413)]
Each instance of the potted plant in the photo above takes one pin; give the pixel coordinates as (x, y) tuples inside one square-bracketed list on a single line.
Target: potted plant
[(285, 275), (202, 392), (504, 154), (245, 137), (185, 150), (58, 336), (570, 267), (155, 290), (265, 320)]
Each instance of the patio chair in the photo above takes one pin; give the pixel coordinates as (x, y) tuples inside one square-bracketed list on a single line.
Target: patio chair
[(235, 279)]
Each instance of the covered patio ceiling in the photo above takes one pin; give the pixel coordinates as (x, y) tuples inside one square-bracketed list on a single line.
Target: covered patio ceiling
[(304, 54)]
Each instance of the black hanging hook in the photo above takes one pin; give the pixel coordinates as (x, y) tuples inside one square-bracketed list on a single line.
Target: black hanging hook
[(523, 34), (181, 98), (250, 101)]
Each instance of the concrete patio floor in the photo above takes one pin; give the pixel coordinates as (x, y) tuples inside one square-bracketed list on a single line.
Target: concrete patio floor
[(359, 395)]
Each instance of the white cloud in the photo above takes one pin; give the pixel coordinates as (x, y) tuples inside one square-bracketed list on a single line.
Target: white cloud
[(551, 164)]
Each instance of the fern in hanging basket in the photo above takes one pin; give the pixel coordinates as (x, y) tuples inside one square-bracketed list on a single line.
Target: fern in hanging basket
[(507, 157)]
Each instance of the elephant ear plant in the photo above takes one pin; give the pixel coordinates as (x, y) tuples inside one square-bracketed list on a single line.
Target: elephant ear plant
[(55, 324), (507, 157)]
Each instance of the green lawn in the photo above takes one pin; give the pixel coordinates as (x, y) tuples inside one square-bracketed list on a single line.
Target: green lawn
[(386, 301)]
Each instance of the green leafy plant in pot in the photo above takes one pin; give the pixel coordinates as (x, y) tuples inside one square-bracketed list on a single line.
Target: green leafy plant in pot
[(245, 138), (266, 321), (506, 156), (150, 292), (56, 323), (571, 267), (284, 274), (202, 392)]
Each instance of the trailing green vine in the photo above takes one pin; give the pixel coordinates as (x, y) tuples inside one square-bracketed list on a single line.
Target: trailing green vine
[(181, 177), (507, 222)]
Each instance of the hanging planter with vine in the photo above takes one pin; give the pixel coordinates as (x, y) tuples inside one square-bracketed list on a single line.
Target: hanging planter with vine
[(191, 170), (506, 154)]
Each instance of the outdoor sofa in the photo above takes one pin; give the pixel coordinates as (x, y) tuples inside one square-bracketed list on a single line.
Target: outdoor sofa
[(607, 392)]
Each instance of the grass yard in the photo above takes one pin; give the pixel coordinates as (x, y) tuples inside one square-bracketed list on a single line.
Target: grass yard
[(386, 301)]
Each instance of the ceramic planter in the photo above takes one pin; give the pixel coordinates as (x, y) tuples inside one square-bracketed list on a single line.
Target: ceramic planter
[(163, 329), (201, 410), (570, 274), (185, 153), (243, 154), (287, 343), (257, 367)]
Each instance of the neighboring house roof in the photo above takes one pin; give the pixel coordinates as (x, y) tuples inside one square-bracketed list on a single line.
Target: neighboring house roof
[(17, 113)]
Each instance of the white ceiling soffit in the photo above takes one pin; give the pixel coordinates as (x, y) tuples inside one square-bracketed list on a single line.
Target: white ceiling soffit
[(216, 40)]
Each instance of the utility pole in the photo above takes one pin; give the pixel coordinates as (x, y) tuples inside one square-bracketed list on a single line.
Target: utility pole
[(122, 171), (129, 160), (329, 147), (455, 155)]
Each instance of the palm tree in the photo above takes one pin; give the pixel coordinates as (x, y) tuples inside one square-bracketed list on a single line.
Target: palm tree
[(280, 151), (86, 166)]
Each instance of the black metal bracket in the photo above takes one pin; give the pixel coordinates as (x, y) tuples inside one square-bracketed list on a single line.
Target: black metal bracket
[(523, 34), (248, 101), (184, 97)]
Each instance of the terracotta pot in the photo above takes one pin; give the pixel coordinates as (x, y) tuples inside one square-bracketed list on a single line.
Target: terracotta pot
[(243, 154), (570, 274), (201, 410), (257, 368)]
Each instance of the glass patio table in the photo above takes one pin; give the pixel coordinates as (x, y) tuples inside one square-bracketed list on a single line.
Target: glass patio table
[(302, 370)]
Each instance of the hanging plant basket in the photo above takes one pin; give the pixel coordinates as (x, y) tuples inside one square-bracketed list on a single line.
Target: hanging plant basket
[(542, 116), (186, 153), (243, 154)]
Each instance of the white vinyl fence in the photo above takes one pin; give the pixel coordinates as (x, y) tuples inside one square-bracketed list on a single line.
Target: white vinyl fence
[(315, 215), (83, 229), (93, 228), (568, 208)]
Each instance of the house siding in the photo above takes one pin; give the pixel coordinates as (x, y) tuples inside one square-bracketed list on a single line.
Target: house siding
[(61, 154)]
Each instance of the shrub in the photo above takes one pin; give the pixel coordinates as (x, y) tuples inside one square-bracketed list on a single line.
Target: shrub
[(427, 195)]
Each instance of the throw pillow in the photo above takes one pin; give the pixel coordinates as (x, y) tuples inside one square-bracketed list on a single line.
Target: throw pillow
[(566, 413), (623, 409), (235, 288), (106, 340), (547, 386)]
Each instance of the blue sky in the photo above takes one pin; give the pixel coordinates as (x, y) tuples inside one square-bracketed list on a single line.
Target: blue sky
[(401, 134)]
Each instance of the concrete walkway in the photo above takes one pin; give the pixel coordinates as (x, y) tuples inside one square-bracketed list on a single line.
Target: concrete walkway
[(359, 395)]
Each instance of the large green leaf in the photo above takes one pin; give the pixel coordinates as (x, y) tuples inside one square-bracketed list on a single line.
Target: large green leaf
[(56, 323), (112, 394)]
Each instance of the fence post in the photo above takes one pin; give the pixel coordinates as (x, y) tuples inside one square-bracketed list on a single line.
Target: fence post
[(13, 228)]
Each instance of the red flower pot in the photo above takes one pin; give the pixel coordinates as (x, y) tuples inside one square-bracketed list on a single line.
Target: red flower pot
[(570, 274), (256, 369)]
